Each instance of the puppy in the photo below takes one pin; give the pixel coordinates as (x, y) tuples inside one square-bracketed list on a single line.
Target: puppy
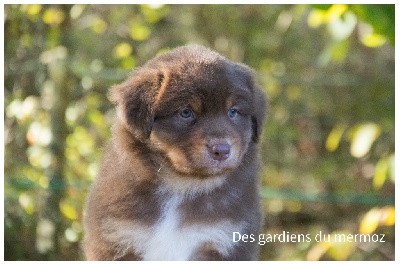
[(179, 175)]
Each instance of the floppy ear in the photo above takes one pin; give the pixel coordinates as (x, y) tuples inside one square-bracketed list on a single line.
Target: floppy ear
[(246, 74), (134, 100), (260, 109)]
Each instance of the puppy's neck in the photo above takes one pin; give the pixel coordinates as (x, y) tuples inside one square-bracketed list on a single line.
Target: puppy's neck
[(187, 186)]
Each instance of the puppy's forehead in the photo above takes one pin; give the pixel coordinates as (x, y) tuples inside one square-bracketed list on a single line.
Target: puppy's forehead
[(207, 78), (198, 76), (203, 86), (194, 64)]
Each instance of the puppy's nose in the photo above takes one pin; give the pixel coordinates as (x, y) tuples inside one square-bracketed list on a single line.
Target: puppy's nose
[(220, 152)]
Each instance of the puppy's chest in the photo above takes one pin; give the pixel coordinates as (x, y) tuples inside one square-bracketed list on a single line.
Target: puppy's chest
[(170, 239)]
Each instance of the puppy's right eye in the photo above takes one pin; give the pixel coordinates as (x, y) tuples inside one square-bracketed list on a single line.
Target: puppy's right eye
[(186, 113)]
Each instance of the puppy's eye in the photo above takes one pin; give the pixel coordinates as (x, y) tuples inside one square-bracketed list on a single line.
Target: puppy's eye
[(232, 113), (186, 113)]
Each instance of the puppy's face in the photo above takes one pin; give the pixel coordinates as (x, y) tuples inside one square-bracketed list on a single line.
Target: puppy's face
[(203, 123), (194, 107)]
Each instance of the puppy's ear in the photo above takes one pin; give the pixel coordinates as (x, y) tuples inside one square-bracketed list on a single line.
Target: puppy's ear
[(260, 110), (134, 100), (246, 74)]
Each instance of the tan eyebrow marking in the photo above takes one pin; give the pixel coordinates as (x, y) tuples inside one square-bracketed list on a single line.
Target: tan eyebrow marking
[(163, 88)]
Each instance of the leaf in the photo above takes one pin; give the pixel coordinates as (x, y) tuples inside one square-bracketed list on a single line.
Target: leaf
[(389, 215), (334, 137), (341, 249), (380, 16), (154, 13), (341, 29), (53, 16), (377, 217), (32, 10), (122, 50), (139, 32), (316, 18), (327, 14), (318, 250), (363, 138), (373, 40), (338, 248), (381, 172), (370, 221), (68, 211), (336, 11), (26, 203), (99, 26)]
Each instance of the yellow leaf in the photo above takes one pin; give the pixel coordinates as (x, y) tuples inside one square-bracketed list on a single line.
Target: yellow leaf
[(318, 250), (43, 182), (33, 10), (388, 216), (370, 221), (334, 137), (68, 211), (139, 32), (342, 245), (122, 50), (128, 63), (316, 18), (154, 12), (53, 16), (335, 11), (99, 26), (381, 172), (373, 40)]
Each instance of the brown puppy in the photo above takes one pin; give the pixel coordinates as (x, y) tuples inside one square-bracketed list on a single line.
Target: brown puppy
[(179, 175)]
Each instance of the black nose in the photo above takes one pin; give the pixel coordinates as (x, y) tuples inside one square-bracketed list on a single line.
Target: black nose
[(220, 152)]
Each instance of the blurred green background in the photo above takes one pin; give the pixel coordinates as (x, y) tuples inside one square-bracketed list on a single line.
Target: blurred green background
[(327, 148)]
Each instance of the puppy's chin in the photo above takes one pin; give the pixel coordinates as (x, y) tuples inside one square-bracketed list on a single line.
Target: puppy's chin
[(201, 173), (201, 167)]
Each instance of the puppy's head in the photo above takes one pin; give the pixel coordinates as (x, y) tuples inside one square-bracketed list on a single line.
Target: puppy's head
[(194, 107)]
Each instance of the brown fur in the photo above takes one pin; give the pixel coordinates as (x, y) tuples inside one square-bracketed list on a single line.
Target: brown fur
[(157, 155)]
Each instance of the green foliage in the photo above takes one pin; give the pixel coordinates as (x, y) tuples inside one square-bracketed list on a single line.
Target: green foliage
[(327, 148), (380, 17)]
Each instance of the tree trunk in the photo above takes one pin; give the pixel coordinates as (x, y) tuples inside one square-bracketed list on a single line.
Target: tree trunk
[(50, 227)]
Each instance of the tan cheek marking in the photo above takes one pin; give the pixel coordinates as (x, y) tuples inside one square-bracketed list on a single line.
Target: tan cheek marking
[(199, 150), (158, 143), (178, 159)]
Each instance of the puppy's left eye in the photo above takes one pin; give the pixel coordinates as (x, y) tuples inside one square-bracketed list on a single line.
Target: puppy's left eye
[(233, 112), (186, 113)]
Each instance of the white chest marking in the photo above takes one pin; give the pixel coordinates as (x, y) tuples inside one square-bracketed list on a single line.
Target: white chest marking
[(167, 240), (170, 241)]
